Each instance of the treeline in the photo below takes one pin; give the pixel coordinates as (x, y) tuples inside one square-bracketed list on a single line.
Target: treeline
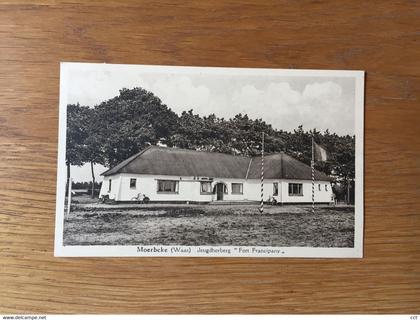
[(116, 129), (85, 185)]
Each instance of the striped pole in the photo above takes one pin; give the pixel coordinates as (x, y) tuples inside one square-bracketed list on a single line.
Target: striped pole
[(262, 175), (313, 187), (313, 177)]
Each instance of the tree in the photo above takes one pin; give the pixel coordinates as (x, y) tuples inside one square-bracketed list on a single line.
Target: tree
[(131, 121), (82, 139), (298, 144), (239, 135), (190, 131), (344, 166), (76, 134), (247, 136), (92, 151), (207, 133)]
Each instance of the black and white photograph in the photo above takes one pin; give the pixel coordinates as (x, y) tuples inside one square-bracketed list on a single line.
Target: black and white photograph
[(204, 161)]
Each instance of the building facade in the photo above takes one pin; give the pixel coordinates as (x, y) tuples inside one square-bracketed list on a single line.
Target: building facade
[(178, 175)]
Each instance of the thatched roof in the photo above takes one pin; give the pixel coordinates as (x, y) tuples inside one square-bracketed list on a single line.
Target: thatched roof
[(180, 162)]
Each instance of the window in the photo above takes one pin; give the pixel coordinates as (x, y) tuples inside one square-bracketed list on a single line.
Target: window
[(109, 185), (326, 187), (295, 189), (205, 187), (168, 186), (237, 188), (319, 187), (275, 189), (133, 182)]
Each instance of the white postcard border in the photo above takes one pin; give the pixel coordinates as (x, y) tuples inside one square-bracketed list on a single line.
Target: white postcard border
[(210, 251)]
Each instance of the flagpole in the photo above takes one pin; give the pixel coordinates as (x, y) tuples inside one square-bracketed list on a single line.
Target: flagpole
[(313, 176), (262, 175)]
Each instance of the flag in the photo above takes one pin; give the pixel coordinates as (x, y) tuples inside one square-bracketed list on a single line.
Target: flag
[(320, 153)]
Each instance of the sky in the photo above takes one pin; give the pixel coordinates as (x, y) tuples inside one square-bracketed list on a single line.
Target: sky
[(280, 98)]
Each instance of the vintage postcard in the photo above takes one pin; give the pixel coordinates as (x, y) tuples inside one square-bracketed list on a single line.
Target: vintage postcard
[(209, 162)]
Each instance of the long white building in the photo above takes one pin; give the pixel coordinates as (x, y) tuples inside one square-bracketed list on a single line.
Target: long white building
[(179, 175)]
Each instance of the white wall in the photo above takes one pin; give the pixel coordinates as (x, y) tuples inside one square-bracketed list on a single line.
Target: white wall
[(115, 187), (320, 196), (189, 189), (233, 197), (253, 191)]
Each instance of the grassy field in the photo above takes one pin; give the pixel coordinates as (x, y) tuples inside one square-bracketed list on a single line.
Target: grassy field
[(153, 224)]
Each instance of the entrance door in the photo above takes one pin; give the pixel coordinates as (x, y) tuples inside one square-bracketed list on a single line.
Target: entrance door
[(219, 191)]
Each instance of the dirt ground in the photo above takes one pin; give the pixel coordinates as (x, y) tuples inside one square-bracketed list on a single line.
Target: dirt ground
[(242, 224)]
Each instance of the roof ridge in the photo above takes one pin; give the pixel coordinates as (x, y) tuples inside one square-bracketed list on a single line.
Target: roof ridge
[(211, 152), (201, 151)]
